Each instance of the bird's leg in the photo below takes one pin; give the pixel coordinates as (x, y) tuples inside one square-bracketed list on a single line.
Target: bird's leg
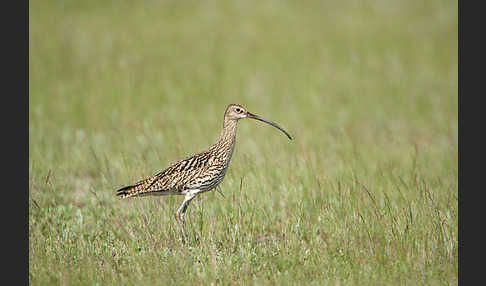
[(181, 212)]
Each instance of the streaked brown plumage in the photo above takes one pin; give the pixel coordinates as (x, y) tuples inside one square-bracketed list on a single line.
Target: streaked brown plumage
[(199, 173)]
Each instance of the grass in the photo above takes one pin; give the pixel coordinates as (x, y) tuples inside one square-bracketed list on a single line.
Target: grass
[(365, 194)]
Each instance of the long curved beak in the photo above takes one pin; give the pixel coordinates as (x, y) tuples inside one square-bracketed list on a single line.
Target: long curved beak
[(254, 116)]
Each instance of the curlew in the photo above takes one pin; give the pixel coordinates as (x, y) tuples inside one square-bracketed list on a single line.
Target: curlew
[(199, 173)]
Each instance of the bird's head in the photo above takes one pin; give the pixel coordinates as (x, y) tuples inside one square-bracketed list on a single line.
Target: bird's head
[(237, 112)]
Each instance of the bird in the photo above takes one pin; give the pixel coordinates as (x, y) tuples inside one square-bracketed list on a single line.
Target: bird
[(198, 173)]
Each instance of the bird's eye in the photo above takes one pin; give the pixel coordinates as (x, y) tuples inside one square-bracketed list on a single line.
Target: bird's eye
[(238, 110)]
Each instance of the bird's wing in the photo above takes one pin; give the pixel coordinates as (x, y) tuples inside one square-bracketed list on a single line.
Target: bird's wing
[(171, 180)]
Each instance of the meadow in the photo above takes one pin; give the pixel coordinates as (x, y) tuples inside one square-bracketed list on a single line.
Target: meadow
[(365, 194)]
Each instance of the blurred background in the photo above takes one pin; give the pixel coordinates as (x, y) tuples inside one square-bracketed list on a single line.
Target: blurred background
[(120, 89), (376, 74)]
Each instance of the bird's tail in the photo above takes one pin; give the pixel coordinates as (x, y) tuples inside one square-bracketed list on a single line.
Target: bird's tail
[(132, 190)]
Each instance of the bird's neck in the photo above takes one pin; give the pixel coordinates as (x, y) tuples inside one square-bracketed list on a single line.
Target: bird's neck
[(227, 139), (229, 130)]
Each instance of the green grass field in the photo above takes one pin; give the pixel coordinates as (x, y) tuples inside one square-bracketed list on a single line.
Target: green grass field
[(365, 194)]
